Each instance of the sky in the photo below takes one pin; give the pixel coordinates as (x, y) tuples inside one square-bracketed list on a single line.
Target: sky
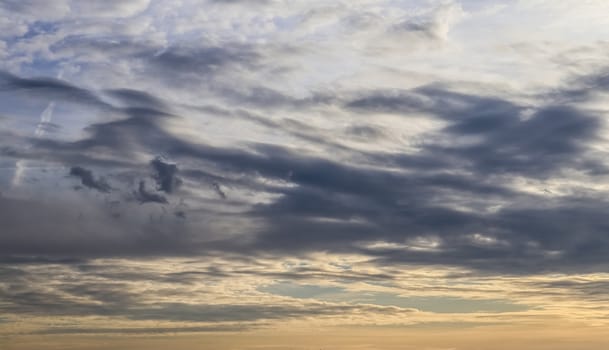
[(290, 174)]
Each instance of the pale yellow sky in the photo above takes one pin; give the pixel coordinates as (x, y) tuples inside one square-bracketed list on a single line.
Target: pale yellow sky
[(547, 337)]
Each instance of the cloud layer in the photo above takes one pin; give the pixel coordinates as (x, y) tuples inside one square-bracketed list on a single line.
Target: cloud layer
[(391, 135)]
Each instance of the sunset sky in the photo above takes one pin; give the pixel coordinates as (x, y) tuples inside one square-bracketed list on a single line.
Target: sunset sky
[(287, 174)]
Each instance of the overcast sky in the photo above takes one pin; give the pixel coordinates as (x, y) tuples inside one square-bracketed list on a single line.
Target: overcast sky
[(232, 167)]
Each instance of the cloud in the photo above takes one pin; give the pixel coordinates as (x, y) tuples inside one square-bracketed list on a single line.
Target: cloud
[(435, 25), (365, 131), (188, 61), (502, 140), (48, 88), (88, 180), (111, 9), (492, 138), (106, 298), (165, 175), (218, 190), (142, 330), (67, 8), (136, 98), (356, 147), (366, 203), (145, 196)]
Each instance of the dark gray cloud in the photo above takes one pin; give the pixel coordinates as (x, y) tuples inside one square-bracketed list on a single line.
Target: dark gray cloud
[(430, 26), (263, 97), (218, 189), (136, 98), (145, 196), (115, 142), (365, 132), (508, 142), (181, 66), (66, 231), (426, 28), (48, 89), (165, 175), (189, 60), (587, 290), (87, 179), (339, 206)]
